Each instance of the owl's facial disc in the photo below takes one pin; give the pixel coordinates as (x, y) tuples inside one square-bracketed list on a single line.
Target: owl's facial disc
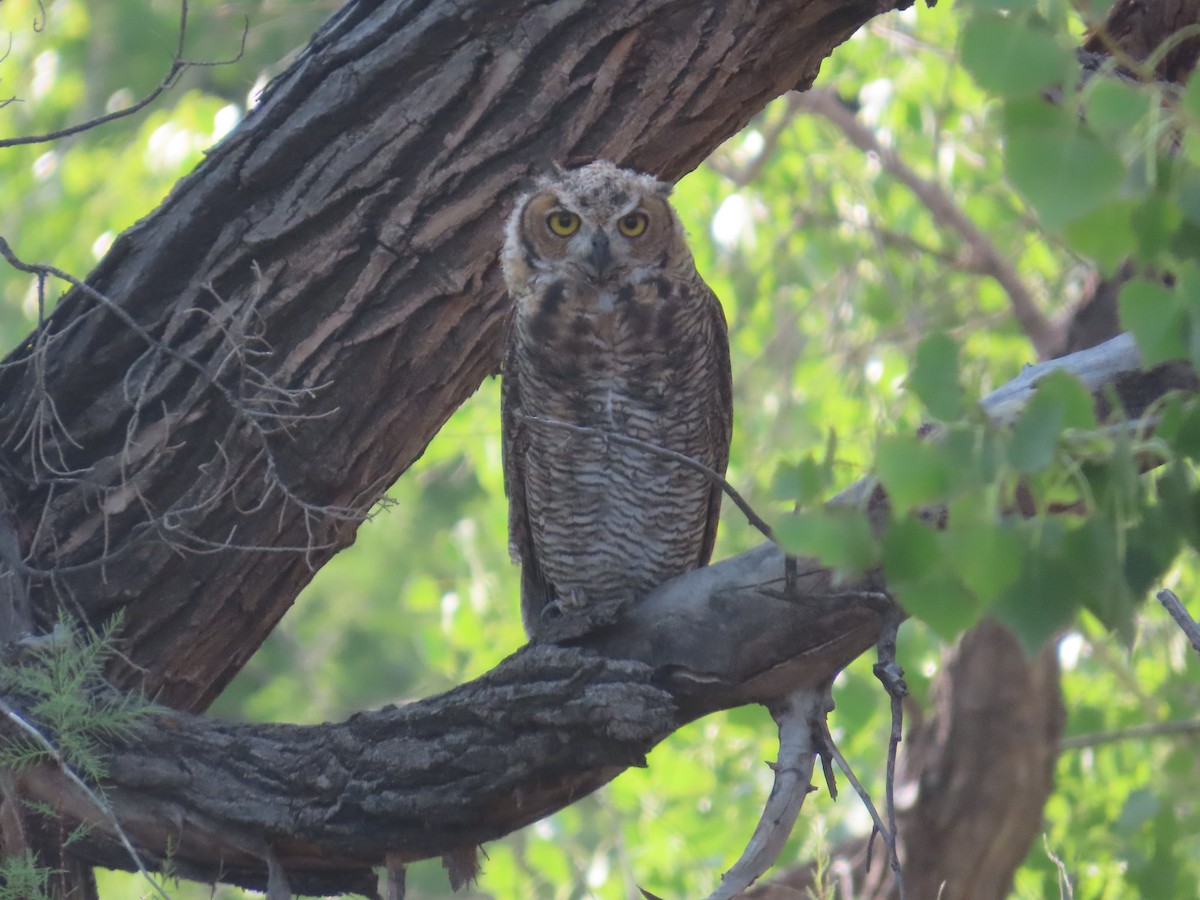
[(597, 236)]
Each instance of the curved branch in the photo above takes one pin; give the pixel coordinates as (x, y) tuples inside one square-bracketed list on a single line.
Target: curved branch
[(345, 234), (544, 728)]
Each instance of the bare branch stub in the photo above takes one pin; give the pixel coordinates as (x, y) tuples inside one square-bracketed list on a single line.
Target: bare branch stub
[(1181, 616)]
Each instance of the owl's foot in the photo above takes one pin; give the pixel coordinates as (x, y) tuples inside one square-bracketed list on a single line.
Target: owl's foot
[(572, 616)]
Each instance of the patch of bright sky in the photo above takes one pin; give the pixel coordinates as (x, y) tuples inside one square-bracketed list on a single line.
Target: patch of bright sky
[(45, 73)]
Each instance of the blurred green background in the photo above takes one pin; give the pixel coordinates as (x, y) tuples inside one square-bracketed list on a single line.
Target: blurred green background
[(831, 270)]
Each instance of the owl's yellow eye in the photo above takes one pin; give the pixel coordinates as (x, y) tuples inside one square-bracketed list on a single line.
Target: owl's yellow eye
[(563, 223), (633, 224)]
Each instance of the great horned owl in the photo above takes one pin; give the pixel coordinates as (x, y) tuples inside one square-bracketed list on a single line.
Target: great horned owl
[(612, 329)]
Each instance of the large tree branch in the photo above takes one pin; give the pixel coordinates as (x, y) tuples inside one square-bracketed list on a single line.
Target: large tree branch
[(314, 301), (544, 728)]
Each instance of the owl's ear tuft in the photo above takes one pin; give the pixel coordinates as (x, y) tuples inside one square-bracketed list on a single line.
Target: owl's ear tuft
[(542, 177)]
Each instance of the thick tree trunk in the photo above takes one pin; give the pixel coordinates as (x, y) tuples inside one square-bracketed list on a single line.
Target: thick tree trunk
[(257, 360)]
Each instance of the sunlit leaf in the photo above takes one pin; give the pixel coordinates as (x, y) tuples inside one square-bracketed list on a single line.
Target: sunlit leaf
[(1064, 170), (935, 377), (1150, 311), (1114, 106), (1011, 56), (1059, 402)]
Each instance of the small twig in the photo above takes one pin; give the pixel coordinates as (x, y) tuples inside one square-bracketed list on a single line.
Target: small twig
[(695, 465), (801, 719), (178, 66), (1064, 880), (1181, 616), (830, 748), (1133, 732), (1044, 335), (267, 411), (888, 671), (13, 716)]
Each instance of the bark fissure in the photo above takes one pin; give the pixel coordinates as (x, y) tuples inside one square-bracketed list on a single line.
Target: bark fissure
[(324, 287)]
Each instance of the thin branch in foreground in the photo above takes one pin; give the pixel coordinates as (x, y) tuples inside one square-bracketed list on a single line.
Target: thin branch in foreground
[(1181, 616), (694, 464), (179, 65), (103, 808)]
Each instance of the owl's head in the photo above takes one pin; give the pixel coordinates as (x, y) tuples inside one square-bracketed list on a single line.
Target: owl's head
[(596, 224)]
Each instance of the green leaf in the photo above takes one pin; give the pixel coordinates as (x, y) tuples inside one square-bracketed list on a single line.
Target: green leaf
[(807, 480), (1061, 168), (934, 378), (1044, 597), (1114, 107), (1191, 100), (1151, 548), (1105, 235), (1059, 402), (910, 551), (1187, 292), (913, 471), (1154, 221), (1010, 56), (840, 538), (1149, 310), (1092, 554), (1180, 501), (941, 602), (1187, 194), (986, 556)]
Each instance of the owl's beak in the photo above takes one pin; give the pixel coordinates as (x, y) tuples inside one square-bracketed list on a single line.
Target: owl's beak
[(599, 255)]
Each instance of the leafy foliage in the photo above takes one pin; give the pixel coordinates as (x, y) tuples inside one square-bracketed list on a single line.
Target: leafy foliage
[(61, 683), (21, 878), (856, 315)]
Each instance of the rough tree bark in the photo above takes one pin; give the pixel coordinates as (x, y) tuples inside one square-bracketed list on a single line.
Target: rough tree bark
[(279, 341), (191, 435), (325, 803), (205, 423)]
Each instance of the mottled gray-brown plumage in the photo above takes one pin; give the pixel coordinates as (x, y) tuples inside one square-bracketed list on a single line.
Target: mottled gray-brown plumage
[(613, 329)]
